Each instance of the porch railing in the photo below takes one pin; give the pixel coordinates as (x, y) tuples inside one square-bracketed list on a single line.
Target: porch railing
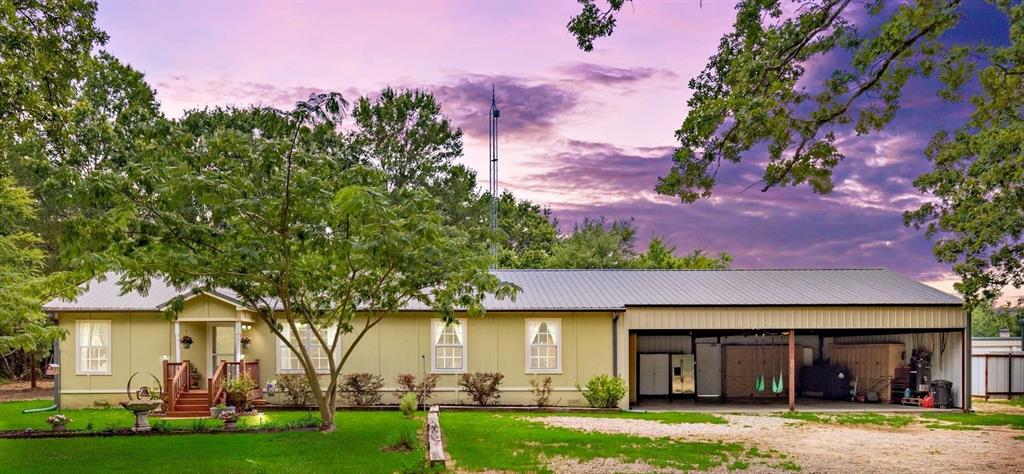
[(231, 370), (175, 381)]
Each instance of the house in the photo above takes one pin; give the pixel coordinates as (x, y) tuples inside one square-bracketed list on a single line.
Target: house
[(709, 336)]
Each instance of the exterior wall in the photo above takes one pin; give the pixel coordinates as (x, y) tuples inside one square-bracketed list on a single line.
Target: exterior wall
[(495, 343), (139, 343)]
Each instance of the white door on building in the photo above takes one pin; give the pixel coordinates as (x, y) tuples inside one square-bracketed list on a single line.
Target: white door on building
[(709, 370), (222, 345), (653, 374)]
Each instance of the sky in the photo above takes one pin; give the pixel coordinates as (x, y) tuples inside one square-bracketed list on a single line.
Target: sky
[(586, 134)]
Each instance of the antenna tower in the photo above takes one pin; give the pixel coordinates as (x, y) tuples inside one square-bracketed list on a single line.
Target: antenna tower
[(492, 129)]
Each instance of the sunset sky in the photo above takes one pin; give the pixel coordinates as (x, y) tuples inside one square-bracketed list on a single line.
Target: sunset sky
[(586, 134)]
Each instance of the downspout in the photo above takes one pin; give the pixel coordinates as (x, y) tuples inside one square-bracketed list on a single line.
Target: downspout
[(615, 344), (56, 380)]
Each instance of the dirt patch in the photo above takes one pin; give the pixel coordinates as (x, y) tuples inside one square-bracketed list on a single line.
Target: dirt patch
[(837, 448), (21, 391), (559, 464)]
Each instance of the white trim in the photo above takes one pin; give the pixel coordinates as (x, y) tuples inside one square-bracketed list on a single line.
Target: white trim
[(558, 345), (280, 348), (177, 341), (462, 324), (78, 347)]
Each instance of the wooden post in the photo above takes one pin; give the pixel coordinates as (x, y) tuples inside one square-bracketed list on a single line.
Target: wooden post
[(435, 443), (792, 369)]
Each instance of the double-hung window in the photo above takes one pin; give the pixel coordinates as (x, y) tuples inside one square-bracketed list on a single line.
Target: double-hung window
[(543, 345), (93, 350), (448, 346), (289, 362)]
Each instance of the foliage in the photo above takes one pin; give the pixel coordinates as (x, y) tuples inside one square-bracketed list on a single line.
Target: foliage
[(528, 232), (756, 96), (541, 391), (604, 391), (596, 243), (362, 389), (264, 203), (515, 443), (23, 284), (482, 387), (43, 48), (662, 256), (229, 416), (186, 339), (987, 321), (423, 390), (241, 385), (404, 439), (407, 405), (296, 388)]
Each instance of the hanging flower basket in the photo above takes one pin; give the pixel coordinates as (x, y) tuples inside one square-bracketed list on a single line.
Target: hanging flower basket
[(186, 341), (245, 342)]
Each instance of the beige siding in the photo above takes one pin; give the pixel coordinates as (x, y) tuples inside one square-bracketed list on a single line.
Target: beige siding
[(139, 343), (786, 317)]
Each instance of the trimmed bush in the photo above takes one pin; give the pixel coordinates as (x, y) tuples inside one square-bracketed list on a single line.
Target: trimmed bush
[(296, 388), (604, 391), (362, 389), (408, 404), (541, 390), (482, 387), (423, 390)]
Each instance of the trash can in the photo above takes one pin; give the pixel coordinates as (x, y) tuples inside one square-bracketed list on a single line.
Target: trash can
[(942, 393)]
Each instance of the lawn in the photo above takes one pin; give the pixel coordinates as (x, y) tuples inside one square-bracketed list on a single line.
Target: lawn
[(893, 421), (492, 440), (504, 441), (979, 419)]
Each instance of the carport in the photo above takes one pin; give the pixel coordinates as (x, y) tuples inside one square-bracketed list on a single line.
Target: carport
[(782, 338)]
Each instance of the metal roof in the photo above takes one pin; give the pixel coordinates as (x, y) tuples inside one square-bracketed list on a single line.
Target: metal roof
[(588, 290)]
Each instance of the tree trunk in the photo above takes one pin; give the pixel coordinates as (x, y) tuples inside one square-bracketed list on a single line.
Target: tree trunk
[(32, 371), (327, 414)]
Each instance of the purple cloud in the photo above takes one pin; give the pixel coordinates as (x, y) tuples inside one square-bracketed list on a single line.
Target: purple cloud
[(613, 76)]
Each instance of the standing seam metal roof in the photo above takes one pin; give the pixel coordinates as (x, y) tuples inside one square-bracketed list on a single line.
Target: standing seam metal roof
[(589, 290)]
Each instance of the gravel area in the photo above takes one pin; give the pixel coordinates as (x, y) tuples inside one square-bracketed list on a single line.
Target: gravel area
[(836, 448), (21, 391)]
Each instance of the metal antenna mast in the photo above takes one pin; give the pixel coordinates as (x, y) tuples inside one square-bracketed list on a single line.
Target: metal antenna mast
[(493, 157)]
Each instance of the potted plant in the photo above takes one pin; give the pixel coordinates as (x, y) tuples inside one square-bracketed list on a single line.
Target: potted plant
[(245, 342), (230, 419), (216, 411), (59, 422), (238, 390), (186, 341)]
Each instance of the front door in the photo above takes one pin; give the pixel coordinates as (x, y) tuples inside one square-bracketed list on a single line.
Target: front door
[(222, 347), (709, 370)]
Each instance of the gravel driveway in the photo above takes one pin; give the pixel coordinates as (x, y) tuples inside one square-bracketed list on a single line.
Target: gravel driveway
[(819, 447)]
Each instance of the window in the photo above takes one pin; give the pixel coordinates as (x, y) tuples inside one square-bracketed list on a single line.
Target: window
[(449, 346), (288, 361), (93, 347), (543, 345)]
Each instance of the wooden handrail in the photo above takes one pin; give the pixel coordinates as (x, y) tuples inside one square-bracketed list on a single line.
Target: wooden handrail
[(214, 385), (176, 377), (229, 370)]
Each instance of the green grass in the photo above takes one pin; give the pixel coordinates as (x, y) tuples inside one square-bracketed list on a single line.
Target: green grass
[(979, 419), (953, 427), (669, 418), (1019, 437), (892, 421), (356, 446), (511, 442), (790, 466)]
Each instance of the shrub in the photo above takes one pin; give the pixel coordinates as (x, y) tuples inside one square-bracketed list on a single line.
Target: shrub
[(408, 404), (541, 390), (238, 390), (403, 440), (482, 387), (296, 388), (362, 389), (604, 391), (423, 390)]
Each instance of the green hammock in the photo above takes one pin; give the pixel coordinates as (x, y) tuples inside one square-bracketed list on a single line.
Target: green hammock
[(759, 383), (777, 384)]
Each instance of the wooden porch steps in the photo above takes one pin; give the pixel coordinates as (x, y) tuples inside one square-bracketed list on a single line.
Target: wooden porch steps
[(191, 404)]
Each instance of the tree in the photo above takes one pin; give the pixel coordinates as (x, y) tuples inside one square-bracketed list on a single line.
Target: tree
[(297, 233), (987, 321), (405, 135), (596, 243), (23, 284), (528, 232), (755, 93), (662, 256), (44, 45)]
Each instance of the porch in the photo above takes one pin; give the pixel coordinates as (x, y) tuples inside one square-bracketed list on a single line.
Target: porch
[(182, 401)]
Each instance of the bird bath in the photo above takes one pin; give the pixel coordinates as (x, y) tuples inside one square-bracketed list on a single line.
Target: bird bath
[(142, 401)]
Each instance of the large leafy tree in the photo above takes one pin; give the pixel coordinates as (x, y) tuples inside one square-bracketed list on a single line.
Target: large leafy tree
[(298, 233), (596, 243), (756, 93), (988, 320), (528, 233), (661, 255)]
